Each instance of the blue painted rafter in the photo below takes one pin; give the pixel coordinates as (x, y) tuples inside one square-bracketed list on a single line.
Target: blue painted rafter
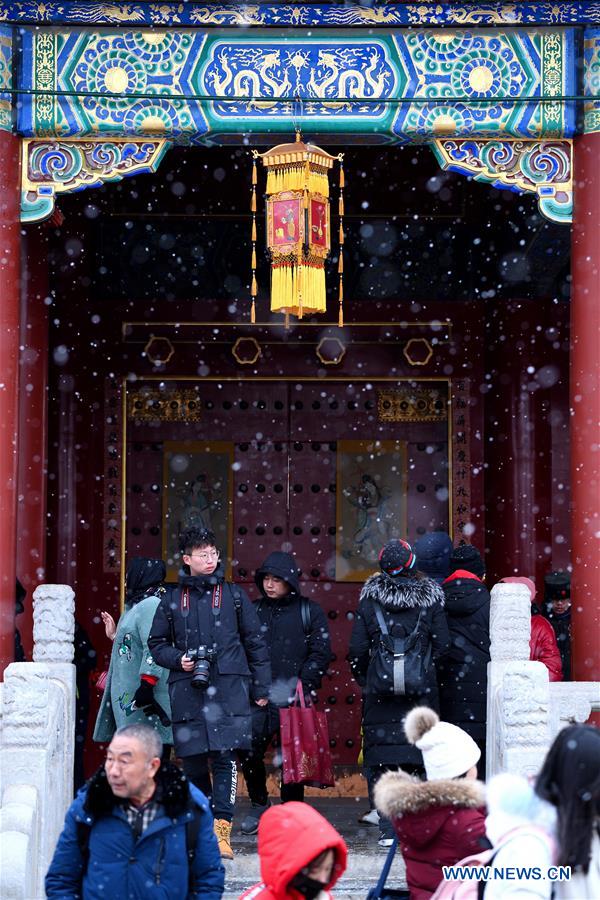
[(428, 14)]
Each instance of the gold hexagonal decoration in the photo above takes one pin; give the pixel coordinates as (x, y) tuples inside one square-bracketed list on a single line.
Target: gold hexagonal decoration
[(330, 351), (418, 351), (246, 351), (159, 350)]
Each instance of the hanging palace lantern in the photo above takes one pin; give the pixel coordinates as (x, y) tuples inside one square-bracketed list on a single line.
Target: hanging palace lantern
[(298, 227)]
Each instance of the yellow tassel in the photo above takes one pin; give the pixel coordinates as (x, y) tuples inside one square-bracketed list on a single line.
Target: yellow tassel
[(253, 312), (253, 203), (318, 183), (341, 262), (253, 258), (341, 234), (254, 175), (253, 238), (254, 288), (341, 205), (341, 291), (342, 179), (341, 316)]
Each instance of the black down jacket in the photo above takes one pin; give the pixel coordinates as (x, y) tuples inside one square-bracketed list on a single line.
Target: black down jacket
[(218, 718), (294, 653), (402, 599), (463, 671)]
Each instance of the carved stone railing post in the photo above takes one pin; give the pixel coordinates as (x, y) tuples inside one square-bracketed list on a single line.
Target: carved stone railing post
[(37, 744), (53, 623), (525, 711), (518, 732)]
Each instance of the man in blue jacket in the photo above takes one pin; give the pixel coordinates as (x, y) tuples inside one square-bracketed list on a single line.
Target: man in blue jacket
[(137, 830)]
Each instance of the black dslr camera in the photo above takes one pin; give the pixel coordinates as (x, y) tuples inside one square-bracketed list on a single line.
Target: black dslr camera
[(202, 656)]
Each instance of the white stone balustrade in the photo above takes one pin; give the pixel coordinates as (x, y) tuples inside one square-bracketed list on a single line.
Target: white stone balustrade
[(525, 711), (37, 746)]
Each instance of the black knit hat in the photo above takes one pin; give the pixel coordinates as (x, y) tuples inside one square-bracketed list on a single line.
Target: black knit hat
[(467, 557), (557, 586), (396, 557)]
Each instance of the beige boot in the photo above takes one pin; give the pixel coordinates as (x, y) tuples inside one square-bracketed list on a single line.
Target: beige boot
[(223, 833)]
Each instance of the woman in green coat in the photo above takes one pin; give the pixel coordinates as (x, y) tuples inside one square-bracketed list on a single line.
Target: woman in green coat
[(135, 683)]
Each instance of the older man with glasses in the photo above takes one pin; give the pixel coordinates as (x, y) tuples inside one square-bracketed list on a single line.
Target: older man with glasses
[(208, 634)]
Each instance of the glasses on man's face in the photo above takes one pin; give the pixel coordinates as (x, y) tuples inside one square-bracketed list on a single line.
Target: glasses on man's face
[(206, 555)]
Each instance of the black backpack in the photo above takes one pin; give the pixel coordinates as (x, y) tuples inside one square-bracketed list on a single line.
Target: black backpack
[(398, 665)]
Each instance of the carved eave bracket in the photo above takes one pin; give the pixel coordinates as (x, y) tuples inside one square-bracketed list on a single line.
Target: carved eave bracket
[(540, 167), (52, 167)]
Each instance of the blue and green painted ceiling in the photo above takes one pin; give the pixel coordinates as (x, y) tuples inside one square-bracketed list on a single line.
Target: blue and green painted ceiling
[(195, 86)]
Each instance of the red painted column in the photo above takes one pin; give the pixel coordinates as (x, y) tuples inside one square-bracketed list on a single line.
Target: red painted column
[(585, 409), (33, 405), (518, 441), (10, 252)]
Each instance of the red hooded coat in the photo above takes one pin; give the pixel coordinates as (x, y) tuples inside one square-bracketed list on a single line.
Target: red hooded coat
[(290, 836)]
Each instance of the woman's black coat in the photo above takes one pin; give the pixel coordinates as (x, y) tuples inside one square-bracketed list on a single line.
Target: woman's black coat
[(295, 652), (463, 670), (218, 718), (402, 599)]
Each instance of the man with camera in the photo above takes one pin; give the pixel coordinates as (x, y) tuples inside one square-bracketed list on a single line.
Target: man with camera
[(207, 633)]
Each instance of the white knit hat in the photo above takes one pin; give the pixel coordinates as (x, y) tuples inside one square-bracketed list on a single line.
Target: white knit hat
[(447, 750)]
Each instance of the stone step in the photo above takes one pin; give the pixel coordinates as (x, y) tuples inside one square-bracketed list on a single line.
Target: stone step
[(365, 857), (360, 876)]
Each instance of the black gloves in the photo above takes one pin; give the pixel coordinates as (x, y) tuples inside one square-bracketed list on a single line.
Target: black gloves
[(144, 695)]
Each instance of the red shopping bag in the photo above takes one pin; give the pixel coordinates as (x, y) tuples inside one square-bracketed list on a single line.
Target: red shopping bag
[(305, 744)]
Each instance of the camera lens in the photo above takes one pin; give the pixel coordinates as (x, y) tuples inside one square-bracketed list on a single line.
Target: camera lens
[(201, 670)]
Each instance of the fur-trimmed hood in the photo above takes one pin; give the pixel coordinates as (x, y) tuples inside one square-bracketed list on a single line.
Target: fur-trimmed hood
[(397, 794), (395, 594), (173, 785), (420, 809)]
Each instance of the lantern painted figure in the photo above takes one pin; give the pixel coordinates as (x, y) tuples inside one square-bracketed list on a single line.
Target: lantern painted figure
[(298, 225)]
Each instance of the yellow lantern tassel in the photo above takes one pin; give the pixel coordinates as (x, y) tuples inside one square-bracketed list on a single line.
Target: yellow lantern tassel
[(254, 288), (341, 261), (300, 289), (341, 205), (253, 313), (253, 237), (306, 183), (341, 234), (253, 202), (342, 179), (253, 257), (254, 173)]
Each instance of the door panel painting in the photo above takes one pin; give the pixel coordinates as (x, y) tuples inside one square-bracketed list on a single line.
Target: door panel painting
[(371, 504), (197, 490)]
